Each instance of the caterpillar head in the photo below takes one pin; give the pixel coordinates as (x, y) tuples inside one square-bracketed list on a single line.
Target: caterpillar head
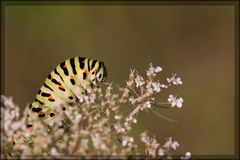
[(98, 72)]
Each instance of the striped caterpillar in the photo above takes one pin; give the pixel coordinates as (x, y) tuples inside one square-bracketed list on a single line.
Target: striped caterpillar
[(64, 85)]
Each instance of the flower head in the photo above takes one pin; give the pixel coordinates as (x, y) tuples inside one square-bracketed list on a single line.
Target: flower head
[(96, 124), (139, 81), (153, 70), (131, 78), (174, 80), (175, 101)]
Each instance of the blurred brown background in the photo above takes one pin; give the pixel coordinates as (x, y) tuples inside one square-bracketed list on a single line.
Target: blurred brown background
[(197, 42)]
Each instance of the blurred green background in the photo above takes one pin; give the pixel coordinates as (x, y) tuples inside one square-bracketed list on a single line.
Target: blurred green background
[(196, 42)]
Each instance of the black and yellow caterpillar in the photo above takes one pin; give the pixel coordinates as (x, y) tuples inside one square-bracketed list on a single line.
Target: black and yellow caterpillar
[(64, 85)]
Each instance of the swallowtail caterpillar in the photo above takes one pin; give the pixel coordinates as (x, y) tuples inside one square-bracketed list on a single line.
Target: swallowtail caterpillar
[(64, 85)]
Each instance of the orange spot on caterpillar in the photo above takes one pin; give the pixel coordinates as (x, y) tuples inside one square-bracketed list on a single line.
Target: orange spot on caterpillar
[(30, 129), (64, 66), (41, 113), (50, 97), (61, 86), (71, 77), (85, 71), (95, 71)]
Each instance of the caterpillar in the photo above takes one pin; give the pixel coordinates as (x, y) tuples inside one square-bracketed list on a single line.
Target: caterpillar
[(64, 85)]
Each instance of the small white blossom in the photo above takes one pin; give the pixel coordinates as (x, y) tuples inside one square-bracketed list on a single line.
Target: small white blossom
[(175, 101), (145, 138), (187, 155), (149, 87), (152, 71), (175, 145), (108, 91), (54, 151), (139, 81), (168, 143), (119, 129), (131, 139), (125, 92), (131, 78), (163, 86), (127, 141), (171, 144), (124, 142), (134, 120), (158, 69), (132, 100), (156, 86), (8, 101), (132, 72), (175, 80), (147, 104), (78, 118), (117, 117), (161, 152)]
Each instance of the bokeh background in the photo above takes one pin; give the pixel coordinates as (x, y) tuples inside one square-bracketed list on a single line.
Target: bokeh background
[(196, 42)]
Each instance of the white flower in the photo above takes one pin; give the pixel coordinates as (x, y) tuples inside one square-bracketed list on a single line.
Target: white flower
[(132, 100), (125, 92), (134, 120), (108, 90), (8, 101), (78, 118), (54, 151), (139, 81), (103, 146), (130, 118), (97, 141), (124, 142), (131, 77), (127, 141), (147, 104), (132, 72), (175, 145), (92, 98), (168, 143), (179, 102), (117, 117), (171, 144), (161, 152), (131, 139), (150, 90), (163, 86), (149, 87), (156, 86), (175, 102), (157, 69), (187, 155), (152, 71), (145, 138), (81, 98), (175, 80)]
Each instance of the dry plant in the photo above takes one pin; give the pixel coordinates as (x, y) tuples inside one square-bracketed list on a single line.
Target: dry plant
[(96, 127)]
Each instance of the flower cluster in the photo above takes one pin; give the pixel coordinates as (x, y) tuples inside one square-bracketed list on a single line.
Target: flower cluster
[(153, 148), (97, 125)]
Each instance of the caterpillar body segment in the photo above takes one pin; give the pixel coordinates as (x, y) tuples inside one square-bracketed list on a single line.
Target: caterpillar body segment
[(63, 86)]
